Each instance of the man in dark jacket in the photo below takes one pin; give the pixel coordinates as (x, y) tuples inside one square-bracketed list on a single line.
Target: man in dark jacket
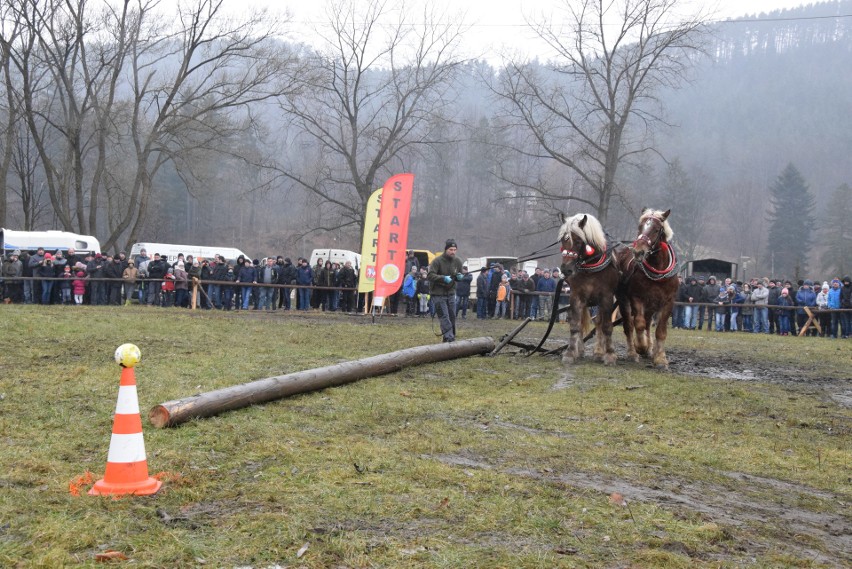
[(219, 274), (347, 280), (13, 269), (482, 294), (286, 276), (463, 293), (846, 304), (444, 272), (113, 270), (304, 278), (156, 271), (693, 294)]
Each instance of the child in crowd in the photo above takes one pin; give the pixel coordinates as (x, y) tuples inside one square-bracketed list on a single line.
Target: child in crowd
[(784, 313), (65, 285), (79, 286), (168, 288), (504, 292)]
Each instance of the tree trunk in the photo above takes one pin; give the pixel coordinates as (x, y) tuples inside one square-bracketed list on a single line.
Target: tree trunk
[(172, 413)]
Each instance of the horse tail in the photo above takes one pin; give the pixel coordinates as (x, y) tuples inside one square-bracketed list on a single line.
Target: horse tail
[(586, 322)]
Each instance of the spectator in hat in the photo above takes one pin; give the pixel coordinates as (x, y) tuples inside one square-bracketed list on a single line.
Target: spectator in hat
[(44, 272), (693, 292), (129, 276), (785, 303), (444, 272), (13, 269), (805, 296), (834, 318)]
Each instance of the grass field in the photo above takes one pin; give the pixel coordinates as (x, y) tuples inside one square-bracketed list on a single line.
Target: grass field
[(741, 456)]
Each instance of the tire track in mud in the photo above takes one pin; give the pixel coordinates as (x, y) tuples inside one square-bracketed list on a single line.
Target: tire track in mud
[(781, 523)]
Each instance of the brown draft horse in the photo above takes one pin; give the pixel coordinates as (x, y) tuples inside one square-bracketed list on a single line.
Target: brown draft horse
[(587, 263), (650, 287)]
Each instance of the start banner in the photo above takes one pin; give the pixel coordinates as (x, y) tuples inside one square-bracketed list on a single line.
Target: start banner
[(393, 235), (367, 277)]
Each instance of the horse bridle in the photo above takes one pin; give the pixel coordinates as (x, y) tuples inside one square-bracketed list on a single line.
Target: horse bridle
[(652, 246), (651, 272), (585, 265)]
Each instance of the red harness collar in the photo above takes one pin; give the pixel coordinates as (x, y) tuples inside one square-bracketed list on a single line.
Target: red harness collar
[(571, 255), (672, 260)]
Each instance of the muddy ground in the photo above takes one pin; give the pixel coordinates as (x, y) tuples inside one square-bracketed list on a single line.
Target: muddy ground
[(782, 525)]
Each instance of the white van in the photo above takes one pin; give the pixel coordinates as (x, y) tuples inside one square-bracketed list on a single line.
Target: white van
[(170, 251), (51, 241), (473, 265), (339, 256)]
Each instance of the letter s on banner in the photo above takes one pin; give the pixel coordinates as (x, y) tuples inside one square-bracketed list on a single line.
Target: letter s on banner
[(367, 277), (393, 235)]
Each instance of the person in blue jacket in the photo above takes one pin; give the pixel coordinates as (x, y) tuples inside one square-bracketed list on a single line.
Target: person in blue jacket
[(304, 278), (805, 297)]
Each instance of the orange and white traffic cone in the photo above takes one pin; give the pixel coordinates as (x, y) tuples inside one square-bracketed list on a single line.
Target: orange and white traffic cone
[(127, 466)]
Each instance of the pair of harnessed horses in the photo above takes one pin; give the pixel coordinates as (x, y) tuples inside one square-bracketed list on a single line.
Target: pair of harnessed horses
[(641, 277)]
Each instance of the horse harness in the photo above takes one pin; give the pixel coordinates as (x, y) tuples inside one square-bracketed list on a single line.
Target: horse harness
[(651, 272)]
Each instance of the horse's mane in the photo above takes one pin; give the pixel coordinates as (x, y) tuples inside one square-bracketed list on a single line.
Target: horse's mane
[(658, 214), (592, 233)]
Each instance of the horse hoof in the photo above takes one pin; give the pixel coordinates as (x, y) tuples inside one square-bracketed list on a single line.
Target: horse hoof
[(609, 359)]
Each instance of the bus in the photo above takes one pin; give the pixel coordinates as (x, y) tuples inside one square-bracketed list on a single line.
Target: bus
[(51, 241)]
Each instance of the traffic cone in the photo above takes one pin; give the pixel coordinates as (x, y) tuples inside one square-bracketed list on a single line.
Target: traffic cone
[(127, 467)]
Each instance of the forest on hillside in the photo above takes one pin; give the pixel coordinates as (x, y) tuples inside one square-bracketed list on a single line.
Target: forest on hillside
[(126, 125)]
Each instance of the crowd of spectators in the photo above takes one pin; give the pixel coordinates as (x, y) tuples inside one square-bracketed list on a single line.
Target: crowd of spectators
[(770, 306), (244, 284)]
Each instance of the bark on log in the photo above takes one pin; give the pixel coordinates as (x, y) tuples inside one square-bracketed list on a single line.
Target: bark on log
[(172, 413)]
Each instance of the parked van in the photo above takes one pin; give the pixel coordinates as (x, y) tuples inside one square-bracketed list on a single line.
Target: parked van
[(51, 241), (473, 265), (170, 251), (339, 256), (424, 257)]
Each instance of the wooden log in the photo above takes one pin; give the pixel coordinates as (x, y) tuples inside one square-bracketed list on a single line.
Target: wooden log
[(172, 413)]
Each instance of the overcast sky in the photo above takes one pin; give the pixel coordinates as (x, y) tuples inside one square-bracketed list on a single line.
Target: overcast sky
[(498, 26)]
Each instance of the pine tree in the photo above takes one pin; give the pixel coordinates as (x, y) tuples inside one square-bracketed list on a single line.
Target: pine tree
[(837, 233), (791, 224)]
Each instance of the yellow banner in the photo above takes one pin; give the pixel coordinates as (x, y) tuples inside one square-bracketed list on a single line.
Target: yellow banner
[(367, 278)]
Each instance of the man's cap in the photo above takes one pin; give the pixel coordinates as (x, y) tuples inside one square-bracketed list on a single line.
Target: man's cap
[(450, 243)]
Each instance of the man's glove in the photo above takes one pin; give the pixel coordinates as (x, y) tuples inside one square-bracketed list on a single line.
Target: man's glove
[(459, 276), (448, 280)]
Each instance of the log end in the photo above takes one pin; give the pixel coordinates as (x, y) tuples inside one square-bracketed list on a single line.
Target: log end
[(159, 416)]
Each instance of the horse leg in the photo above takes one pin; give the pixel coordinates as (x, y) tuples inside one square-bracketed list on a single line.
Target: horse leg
[(627, 326), (641, 329), (607, 352), (572, 353), (600, 346), (660, 334)]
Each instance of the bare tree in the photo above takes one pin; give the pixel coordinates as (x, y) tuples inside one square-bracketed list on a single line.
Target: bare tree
[(99, 85), (376, 89), (593, 106), (11, 27)]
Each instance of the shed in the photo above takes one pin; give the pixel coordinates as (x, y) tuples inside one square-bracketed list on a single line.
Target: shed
[(705, 267)]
